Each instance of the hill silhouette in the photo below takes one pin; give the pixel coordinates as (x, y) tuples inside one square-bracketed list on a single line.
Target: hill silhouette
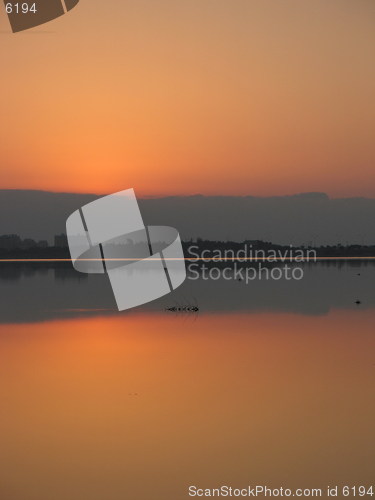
[(303, 219)]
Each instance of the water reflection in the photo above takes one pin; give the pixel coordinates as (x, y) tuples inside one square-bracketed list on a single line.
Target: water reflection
[(38, 292), (139, 407)]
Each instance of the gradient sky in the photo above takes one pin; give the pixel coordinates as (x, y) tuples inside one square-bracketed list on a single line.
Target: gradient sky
[(255, 97)]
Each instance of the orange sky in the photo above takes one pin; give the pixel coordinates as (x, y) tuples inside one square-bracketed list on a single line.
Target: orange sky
[(178, 97)]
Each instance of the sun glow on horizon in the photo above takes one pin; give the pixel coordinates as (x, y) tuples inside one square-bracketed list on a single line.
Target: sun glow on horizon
[(230, 98)]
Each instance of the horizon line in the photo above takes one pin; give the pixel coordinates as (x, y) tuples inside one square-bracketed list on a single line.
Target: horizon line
[(191, 195), (204, 259)]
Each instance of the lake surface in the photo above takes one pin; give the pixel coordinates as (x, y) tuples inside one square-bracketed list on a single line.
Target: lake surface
[(270, 383)]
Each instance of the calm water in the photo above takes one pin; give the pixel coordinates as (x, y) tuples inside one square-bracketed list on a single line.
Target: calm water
[(270, 383)]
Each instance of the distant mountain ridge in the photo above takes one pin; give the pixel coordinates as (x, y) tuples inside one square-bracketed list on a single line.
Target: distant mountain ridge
[(307, 218)]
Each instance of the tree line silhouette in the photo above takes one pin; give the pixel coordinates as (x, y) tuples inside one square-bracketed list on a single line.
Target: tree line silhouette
[(12, 246)]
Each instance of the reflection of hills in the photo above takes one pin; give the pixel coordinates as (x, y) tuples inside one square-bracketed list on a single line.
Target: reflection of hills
[(46, 293), (64, 273), (15, 271)]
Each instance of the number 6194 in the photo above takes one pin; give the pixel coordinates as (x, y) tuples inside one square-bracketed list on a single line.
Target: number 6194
[(20, 8)]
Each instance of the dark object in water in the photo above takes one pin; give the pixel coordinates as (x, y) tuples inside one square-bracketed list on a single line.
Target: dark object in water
[(182, 309), (358, 302)]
